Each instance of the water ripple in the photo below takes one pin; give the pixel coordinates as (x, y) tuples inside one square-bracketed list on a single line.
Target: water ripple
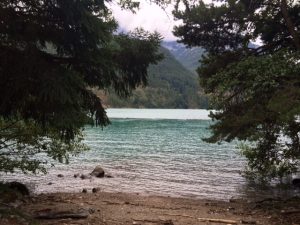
[(164, 157)]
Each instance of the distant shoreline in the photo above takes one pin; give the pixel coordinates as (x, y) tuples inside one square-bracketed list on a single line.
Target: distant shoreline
[(175, 114)]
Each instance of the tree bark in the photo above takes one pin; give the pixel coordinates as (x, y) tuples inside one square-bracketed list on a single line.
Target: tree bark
[(289, 23)]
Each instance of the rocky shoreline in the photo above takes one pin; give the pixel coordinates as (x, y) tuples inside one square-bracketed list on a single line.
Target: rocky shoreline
[(95, 206), (134, 209)]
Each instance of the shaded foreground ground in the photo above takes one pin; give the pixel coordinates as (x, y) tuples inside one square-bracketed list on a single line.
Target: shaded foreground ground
[(119, 208)]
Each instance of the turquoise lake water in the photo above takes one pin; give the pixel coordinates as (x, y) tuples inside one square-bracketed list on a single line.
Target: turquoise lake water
[(155, 152)]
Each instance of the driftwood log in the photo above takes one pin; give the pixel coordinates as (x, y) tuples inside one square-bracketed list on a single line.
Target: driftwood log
[(158, 222), (80, 214), (217, 220), (203, 219), (290, 211)]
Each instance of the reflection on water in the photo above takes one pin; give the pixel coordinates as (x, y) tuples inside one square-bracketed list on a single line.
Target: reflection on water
[(156, 157)]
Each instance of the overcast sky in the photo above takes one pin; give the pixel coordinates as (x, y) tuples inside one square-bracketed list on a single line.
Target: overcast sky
[(150, 17)]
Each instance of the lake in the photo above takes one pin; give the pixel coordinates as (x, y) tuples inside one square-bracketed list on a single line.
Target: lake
[(155, 152)]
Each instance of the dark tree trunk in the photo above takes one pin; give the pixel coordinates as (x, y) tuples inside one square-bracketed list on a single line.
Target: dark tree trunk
[(289, 24)]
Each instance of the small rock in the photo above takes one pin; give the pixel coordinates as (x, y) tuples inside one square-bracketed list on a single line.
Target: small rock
[(167, 222), (97, 172), (248, 222), (50, 183), (235, 200), (76, 175), (21, 188), (84, 190), (296, 182), (91, 210), (210, 204), (108, 176), (84, 176), (94, 190), (60, 175)]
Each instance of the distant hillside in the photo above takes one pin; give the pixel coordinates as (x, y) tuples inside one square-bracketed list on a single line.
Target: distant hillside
[(188, 57), (170, 85)]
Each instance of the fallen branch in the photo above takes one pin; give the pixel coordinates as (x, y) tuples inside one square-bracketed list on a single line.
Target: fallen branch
[(162, 222), (217, 220), (205, 219), (114, 221), (82, 214), (248, 222), (113, 203), (180, 215), (291, 211)]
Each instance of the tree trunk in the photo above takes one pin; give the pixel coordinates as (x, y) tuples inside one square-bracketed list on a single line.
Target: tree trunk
[(289, 24)]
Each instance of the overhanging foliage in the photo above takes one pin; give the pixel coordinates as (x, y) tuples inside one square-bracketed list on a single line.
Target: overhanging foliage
[(52, 53), (255, 88)]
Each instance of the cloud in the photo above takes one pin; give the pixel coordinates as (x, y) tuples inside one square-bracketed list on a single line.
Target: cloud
[(150, 17)]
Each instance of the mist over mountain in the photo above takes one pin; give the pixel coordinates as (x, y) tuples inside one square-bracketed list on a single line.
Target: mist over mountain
[(188, 57)]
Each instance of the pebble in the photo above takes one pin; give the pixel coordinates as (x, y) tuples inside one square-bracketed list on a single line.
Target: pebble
[(94, 190), (248, 222), (91, 210)]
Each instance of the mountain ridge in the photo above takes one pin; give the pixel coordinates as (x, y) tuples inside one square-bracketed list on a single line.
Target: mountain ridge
[(188, 57), (170, 85)]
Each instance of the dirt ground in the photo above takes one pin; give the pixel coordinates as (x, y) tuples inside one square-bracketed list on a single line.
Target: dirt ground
[(133, 209)]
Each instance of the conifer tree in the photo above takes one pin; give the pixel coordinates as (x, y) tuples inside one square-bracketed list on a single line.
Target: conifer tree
[(53, 53), (255, 89)]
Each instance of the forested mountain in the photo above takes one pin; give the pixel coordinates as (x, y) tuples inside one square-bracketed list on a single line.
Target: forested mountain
[(188, 57), (170, 85)]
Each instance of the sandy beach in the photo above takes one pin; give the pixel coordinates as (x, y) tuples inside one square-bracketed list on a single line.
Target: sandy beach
[(133, 209)]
